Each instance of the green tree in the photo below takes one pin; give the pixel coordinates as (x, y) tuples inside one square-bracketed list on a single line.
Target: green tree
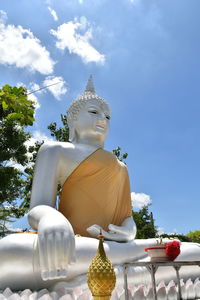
[(180, 237), (28, 176), (194, 236), (61, 134), (15, 106), (145, 223), (121, 156), (16, 112)]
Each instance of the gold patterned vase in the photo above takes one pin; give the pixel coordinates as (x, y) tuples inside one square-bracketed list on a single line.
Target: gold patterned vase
[(101, 274)]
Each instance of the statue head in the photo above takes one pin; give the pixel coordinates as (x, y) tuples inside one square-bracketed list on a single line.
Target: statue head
[(90, 100)]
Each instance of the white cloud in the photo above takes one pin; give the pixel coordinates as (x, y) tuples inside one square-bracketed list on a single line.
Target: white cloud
[(140, 199), (59, 85), (19, 47), (3, 17), (70, 36), (33, 98), (20, 84), (35, 87), (37, 136), (53, 13)]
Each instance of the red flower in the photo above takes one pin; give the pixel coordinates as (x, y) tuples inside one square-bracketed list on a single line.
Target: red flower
[(173, 249)]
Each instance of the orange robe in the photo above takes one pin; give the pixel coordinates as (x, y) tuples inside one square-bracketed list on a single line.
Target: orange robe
[(97, 192)]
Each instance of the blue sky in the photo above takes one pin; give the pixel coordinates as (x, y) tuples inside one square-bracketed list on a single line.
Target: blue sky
[(144, 57)]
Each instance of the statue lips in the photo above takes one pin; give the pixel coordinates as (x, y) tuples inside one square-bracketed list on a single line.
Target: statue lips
[(101, 127)]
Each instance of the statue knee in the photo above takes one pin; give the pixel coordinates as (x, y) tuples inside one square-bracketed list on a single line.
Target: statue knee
[(16, 247)]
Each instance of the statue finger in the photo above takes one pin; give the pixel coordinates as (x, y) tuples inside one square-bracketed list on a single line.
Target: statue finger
[(59, 253), (110, 236), (114, 236), (115, 228), (106, 234), (43, 257), (97, 227), (73, 260), (93, 231), (62, 273), (51, 252), (57, 256), (65, 243), (111, 227), (72, 250)]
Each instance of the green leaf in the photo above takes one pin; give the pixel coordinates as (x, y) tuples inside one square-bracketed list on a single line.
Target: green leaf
[(4, 105), (15, 116)]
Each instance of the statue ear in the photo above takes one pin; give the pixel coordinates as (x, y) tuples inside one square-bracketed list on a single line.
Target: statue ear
[(71, 131)]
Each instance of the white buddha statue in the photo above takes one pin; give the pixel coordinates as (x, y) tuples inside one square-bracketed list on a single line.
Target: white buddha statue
[(95, 195)]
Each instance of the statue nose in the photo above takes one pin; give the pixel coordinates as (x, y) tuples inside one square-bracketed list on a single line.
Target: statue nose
[(103, 117), (103, 120)]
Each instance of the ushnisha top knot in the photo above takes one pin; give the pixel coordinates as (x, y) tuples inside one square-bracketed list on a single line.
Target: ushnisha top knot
[(80, 102)]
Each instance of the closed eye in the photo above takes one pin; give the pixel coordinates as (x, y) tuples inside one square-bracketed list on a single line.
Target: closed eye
[(93, 112)]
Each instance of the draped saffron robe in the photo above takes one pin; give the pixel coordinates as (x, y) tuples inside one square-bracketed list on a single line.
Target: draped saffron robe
[(97, 192)]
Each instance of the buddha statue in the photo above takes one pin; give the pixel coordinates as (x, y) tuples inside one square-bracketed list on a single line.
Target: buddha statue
[(95, 195)]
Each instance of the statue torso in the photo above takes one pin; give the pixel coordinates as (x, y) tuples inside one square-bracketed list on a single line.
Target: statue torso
[(96, 192), (71, 155), (55, 162)]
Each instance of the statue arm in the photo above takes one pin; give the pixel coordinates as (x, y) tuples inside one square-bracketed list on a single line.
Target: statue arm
[(46, 176), (56, 241)]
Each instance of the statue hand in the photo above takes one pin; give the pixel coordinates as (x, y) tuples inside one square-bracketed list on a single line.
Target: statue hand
[(56, 245), (116, 233), (124, 233), (121, 233), (95, 229)]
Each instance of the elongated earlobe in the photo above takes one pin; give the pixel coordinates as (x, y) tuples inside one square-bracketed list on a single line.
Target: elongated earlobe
[(71, 133)]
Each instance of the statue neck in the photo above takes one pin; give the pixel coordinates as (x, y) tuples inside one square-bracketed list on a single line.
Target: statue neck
[(88, 144), (91, 142)]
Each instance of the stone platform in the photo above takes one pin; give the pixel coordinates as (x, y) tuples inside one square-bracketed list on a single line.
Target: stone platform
[(189, 289)]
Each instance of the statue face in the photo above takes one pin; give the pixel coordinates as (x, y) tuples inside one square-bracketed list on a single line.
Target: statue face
[(92, 121)]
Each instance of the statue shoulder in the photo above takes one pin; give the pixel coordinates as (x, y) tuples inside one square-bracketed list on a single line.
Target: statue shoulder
[(122, 164), (54, 152), (111, 154), (55, 147)]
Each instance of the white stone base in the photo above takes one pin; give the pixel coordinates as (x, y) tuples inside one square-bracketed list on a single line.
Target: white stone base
[(190, 290)]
